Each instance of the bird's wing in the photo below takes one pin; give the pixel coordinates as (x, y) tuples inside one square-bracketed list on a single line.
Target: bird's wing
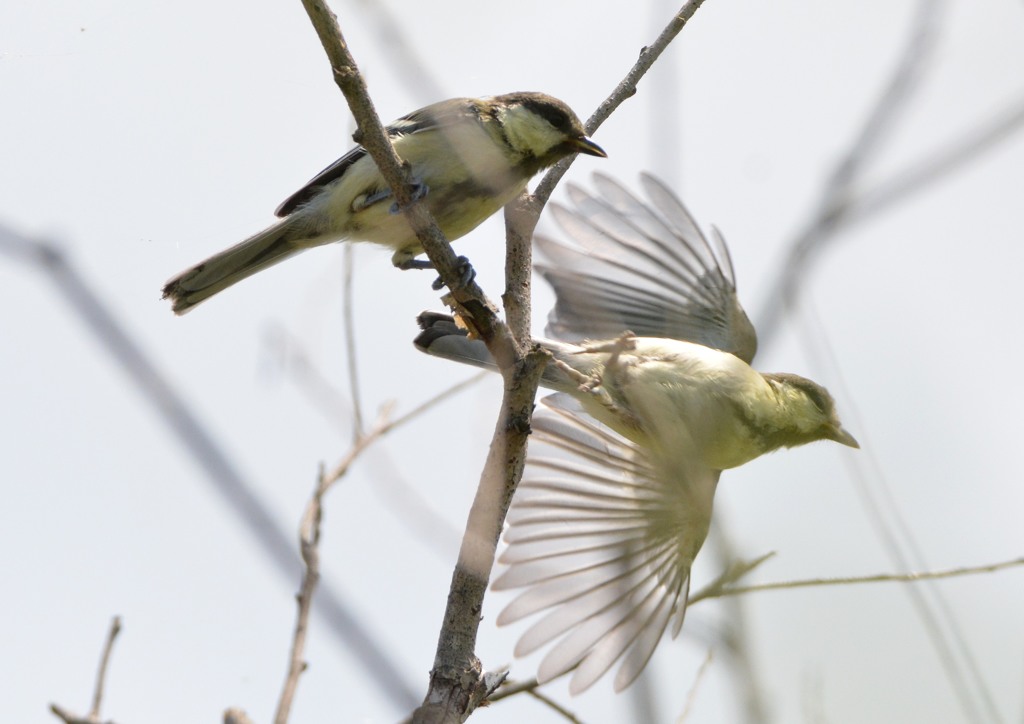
[(426, 118), (641, 266), (602, 542)]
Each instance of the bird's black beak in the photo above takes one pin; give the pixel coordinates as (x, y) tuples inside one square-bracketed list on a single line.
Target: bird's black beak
[(585, 145)]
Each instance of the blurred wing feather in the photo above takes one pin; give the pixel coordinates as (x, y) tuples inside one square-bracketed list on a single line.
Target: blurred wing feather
[(641, 266), (600, 541)]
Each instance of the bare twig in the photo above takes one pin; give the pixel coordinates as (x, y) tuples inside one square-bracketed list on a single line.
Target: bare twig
[(101, 673), (715, 591), (409, 66), (511, 688), (221, 473), (551, 703), (309, 535), (457, 681), (691, 696), (309, 545), (933, 610), (197, 439), (93, 717), (624, 90), (833, 205), (734, 630), (839, 205), (348, 317), (521, 216)]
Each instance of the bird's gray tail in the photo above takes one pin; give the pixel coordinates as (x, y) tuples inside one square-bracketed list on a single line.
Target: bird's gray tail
[(231, 266), (442, 337)]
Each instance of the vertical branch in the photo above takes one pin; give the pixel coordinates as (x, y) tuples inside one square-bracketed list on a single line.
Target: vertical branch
[(348, 320), (101, 674), (520, 220), (93, 717), (625, 89), (309, 545), (457, 681), (834, 203)]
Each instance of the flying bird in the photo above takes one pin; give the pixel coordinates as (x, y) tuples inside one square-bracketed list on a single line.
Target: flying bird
[(468, 157), (647, 338)]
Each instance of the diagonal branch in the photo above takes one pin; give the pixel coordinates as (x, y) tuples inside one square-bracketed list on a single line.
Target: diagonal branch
[(521, 216), (715, 590), (199, 441), (471, 301), (833, 204), (93, 717)]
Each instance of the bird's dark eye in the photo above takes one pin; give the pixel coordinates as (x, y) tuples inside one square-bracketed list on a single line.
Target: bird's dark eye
[(550, 112), (819, 397)]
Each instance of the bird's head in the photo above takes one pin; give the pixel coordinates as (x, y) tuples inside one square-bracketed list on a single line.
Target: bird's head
[(808, 412), (542, 129)]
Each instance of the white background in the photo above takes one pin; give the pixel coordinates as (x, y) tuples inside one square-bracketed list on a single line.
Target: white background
[(142, 136)]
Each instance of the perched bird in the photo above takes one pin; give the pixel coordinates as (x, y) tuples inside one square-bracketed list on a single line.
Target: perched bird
[(468, 158), (604, 540)]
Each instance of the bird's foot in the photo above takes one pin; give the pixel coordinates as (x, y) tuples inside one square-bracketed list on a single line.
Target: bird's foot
[(411, 263), (625, 342), (419, 190), (463, 268)]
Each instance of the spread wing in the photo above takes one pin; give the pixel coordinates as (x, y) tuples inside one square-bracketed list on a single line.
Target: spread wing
[(602, 539), (641, 266), (426, 118)]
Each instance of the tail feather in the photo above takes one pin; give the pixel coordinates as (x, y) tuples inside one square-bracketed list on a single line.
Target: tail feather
[(442, 337), (220, 271)]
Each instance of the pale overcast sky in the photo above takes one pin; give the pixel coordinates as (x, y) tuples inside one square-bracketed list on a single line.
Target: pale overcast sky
[(142, 136)]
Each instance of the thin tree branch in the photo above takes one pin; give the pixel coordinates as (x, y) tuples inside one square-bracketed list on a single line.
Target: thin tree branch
[(101, 673), (410, 67), (836, 208), (937, 165), (714, 591), (624, 90), (348, 320), (457, 681), (511, 688), (470, 299), (691, 696), (93, 717), (734, 629), (309, 535), (936, 616), (833, 204), (522, 215), (309, 545), (551, 703)]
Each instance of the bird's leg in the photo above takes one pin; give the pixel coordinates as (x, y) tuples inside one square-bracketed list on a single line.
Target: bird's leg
[(419, 190), (365, 201), (625, 342), (594, 384), (463, 267)]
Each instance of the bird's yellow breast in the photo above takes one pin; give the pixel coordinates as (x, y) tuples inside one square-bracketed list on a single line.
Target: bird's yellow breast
[(464, 185)]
